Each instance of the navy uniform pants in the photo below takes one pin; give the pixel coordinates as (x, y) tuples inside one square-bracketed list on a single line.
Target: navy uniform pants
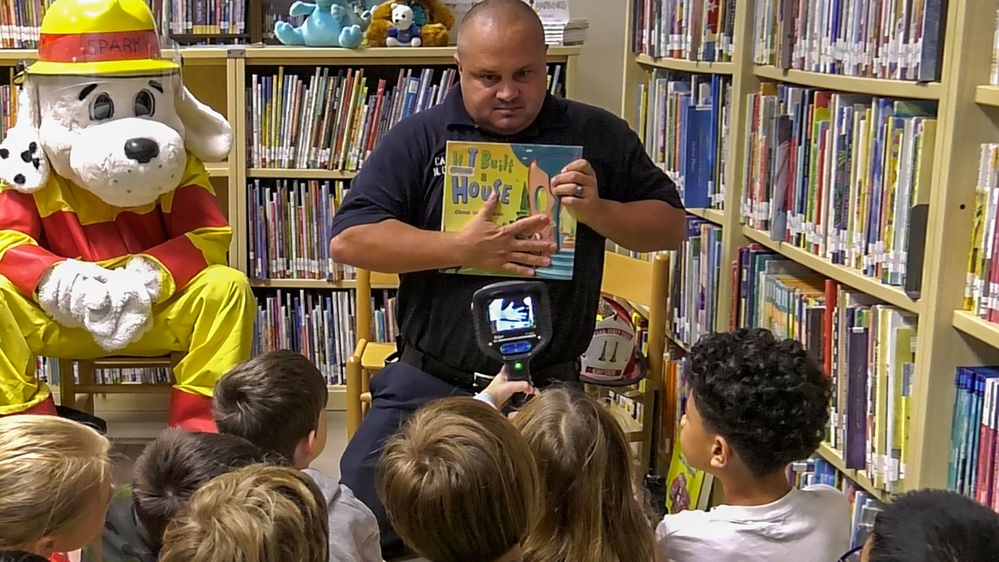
[(397, 390)]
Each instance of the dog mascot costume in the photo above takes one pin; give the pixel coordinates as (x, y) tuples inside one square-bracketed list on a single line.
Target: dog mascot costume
[(112, 241)]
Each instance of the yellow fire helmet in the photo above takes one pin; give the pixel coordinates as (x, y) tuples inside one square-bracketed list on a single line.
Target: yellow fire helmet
[(99, 37)]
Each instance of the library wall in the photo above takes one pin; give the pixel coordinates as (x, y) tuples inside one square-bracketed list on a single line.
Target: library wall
[(600, 62)]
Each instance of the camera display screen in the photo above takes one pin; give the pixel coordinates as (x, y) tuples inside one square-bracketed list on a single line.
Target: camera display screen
[(511, 314)]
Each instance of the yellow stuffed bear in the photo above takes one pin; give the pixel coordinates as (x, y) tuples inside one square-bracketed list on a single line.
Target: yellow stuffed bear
[(437, 21)]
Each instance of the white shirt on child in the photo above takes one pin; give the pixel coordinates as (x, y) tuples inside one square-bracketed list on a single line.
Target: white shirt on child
[(812, 523)]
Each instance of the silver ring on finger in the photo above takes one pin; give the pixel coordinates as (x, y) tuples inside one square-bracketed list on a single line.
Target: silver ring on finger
[(579, 191)]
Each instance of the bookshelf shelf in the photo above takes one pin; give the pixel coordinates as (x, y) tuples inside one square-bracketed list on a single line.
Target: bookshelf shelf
[(316, 284), (217, 169), (270, 54), (844, 275), (833, 457), (856, 84), (291, 173), (987, 95), (713, 215), (972, 325), (684, 65)]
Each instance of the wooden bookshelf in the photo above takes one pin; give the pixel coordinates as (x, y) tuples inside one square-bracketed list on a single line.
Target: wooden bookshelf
[(299, 174), (967, 116)]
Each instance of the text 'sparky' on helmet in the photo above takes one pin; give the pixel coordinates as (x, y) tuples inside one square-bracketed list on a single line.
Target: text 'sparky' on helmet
[(102, 37)]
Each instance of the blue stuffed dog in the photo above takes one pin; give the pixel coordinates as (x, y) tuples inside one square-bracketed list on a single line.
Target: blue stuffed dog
[(330, 23)]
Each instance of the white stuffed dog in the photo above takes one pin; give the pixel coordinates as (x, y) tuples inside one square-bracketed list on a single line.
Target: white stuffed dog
[(126, 140), (111, 236)]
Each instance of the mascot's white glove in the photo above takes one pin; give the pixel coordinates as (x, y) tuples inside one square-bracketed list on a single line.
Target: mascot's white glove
[(147, 273), (63, 289), (112, 305)]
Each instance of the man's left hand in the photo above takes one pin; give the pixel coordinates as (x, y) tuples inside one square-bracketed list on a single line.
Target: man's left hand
[(577, 188)]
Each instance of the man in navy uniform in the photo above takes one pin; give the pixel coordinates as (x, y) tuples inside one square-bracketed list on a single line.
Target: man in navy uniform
[(390, 222)]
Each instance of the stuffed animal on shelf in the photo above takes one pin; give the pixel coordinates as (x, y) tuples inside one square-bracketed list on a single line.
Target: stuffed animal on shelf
[(112, 240), (330, 23), (404, 33), (432, 16)]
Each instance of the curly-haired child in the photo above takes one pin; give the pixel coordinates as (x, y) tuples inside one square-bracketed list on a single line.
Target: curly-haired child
[(257, 513), (55, 484), (755, 405), (587, 475)]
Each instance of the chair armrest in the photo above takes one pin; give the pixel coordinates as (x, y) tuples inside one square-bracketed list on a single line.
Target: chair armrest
[(354, 388)]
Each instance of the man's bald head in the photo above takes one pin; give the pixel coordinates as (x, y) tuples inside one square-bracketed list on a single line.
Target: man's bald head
[(502, 13)]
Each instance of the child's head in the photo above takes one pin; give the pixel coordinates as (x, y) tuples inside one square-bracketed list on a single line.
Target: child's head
[(586, 470), (933, 526), (176, 465), (55, 484), (755, 404), (277, 401), (258, 513), (459, 484)]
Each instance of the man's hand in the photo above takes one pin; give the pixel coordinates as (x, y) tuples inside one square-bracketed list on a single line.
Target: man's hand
[(501, 388), (577, 188), (504, 248)]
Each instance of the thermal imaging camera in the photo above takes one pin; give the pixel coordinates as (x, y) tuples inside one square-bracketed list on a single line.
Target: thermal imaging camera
[(512, 323)]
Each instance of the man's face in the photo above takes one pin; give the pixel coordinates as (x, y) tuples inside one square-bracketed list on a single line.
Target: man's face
[(503, 76)]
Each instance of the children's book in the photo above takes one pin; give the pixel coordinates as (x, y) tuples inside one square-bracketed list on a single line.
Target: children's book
[(521, 175)]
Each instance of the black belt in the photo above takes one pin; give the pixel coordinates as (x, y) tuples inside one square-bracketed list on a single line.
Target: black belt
[(470, 381)]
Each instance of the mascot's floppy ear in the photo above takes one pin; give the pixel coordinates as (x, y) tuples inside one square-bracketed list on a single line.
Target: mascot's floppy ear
[(206, 133), (23, 164)]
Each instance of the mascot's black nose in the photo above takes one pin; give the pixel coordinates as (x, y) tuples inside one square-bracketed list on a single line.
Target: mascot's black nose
[(141, 150)]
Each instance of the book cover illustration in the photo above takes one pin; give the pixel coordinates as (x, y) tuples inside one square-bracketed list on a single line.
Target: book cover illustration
[(521, 175)]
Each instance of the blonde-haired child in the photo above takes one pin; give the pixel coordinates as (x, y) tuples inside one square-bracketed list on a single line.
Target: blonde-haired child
[(587, 475), (55, 484), (458, 483), (259, 513)]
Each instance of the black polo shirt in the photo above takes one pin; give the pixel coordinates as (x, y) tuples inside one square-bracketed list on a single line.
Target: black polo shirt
[(403, 179)]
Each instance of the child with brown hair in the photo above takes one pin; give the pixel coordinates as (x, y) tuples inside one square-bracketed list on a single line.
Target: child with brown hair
[(55, 484), (277, 401), (587, 475), (168, 473), (458, 483), (258, 513)]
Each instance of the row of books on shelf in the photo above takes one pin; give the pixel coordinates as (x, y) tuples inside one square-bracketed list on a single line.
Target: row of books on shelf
[(693, 288), (973, 469), (683, 120), (867, 348), (47, 370), (289, 222), (202, 17), (684, 29), (319, 324), (838, 175), (891, 39), (981, 291), (20, 21), (333, 118)]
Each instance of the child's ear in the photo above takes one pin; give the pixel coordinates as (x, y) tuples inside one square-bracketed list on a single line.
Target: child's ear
[(305, 452), (721, 453), (45, 546)]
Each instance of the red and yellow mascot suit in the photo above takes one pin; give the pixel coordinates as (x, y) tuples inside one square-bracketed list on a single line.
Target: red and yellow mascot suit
[(112, 241)]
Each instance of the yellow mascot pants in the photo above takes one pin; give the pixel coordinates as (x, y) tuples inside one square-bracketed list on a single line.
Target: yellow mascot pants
[(211, 320)]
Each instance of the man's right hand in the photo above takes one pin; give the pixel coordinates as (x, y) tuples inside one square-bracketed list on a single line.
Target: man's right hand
[(504, 248)]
